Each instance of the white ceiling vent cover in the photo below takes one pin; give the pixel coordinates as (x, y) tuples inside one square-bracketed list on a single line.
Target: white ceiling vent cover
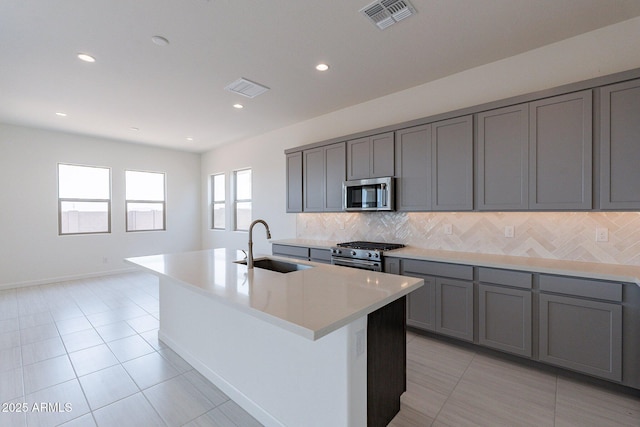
[(387, 12), (246, 88)]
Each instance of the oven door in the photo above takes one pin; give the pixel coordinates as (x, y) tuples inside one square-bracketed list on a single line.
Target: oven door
[(362, 264)]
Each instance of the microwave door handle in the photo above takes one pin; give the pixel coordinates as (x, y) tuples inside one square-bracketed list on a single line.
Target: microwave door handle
[(384, 195)]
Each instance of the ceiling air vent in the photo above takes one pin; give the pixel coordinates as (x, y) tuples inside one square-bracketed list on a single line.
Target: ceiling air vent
[(387, 12), (246, 88)]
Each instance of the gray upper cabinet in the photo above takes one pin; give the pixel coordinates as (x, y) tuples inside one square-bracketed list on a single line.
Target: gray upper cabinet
[(313, 180), (323, 173), (413, 168), (503, 159), (294, 182), (452, 164), (560, 152), (370, 157), (620, 146)]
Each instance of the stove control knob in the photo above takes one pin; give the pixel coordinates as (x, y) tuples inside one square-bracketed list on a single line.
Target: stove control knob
[(369, 254), (354, 253), (377, 255), (337, 251)]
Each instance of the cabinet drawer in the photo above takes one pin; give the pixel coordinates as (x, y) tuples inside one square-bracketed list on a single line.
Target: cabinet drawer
[(516, 279), (290, 251), (442, 269), (320, 255), (608, 291)]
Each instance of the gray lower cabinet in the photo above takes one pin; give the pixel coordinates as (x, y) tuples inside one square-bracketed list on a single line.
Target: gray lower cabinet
[(371, 157), (288, 251), (320, 255), (504, 310), (454, 308), (301, 252), (294, 182), (444, 304), (504, 319), (619, 145), (560, 152), (323, 174), (421, 305), (581, 332), (503, 159)]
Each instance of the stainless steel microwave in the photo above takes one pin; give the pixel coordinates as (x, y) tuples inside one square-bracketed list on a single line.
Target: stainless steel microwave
[(375, 194)]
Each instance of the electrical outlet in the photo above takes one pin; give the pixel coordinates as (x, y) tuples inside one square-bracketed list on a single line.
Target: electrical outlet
[(448, 229), (509, 231), (360, 342), (602, 234)]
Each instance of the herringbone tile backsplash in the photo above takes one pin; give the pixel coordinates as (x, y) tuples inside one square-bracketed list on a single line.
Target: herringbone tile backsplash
[(567, 235)]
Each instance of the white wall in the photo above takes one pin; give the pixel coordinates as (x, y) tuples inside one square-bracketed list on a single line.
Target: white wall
[(267, 162), (605, 51), (31, 251)]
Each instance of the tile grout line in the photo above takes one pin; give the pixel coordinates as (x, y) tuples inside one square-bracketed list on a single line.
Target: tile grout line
[(475, 354)]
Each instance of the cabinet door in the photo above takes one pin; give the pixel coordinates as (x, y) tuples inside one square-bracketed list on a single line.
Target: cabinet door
[(620, 146), (560, 152), (582, 335), (294, 182), (358, 158), (382, 155), (504, 319), (313, 180), (503, 159), (413, 169), (454, 308), (421, 305), (452, 164), (334, 176)]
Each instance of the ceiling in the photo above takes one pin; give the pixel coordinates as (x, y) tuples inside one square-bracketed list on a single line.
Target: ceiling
[(174, 92)]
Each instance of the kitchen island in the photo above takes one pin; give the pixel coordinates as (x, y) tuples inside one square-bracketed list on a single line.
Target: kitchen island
[(319, 346)]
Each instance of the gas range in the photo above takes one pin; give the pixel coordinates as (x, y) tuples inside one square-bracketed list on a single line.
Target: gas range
[(361, 254)]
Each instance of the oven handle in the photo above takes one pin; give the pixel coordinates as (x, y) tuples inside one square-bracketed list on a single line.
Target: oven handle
[(350, 262)]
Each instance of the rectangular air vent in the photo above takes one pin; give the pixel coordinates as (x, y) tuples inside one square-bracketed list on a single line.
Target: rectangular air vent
[(246, 88), (387, 12)]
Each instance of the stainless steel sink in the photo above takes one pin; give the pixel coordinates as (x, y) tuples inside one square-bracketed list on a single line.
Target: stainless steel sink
[(276, 265)]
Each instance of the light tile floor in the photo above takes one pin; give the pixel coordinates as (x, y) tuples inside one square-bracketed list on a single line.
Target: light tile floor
[(93, 344), (448, 385)]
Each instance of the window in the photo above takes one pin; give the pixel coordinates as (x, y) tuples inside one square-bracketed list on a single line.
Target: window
[(242, 180), (145, 202), (84, 199), (218, 202)]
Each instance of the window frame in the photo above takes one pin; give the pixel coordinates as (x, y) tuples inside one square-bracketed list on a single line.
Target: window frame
[(62, 200), (142, 201), (236, 201), (213, 203)]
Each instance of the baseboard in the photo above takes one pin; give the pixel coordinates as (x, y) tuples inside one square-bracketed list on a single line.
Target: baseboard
[(236, 395), (59, 279)]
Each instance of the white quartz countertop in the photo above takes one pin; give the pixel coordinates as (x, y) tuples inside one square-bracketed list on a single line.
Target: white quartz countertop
[(593, 270), (312, 302)]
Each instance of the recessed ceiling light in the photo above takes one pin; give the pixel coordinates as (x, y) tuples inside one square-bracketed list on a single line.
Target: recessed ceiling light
[(322, 67), (135, 129), (189, 138), (159, 40), (238, 106), (60, 114), (86, 58)]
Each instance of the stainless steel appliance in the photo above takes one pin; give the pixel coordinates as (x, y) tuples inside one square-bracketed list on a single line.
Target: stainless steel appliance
[(375, 194), (362, 255)]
